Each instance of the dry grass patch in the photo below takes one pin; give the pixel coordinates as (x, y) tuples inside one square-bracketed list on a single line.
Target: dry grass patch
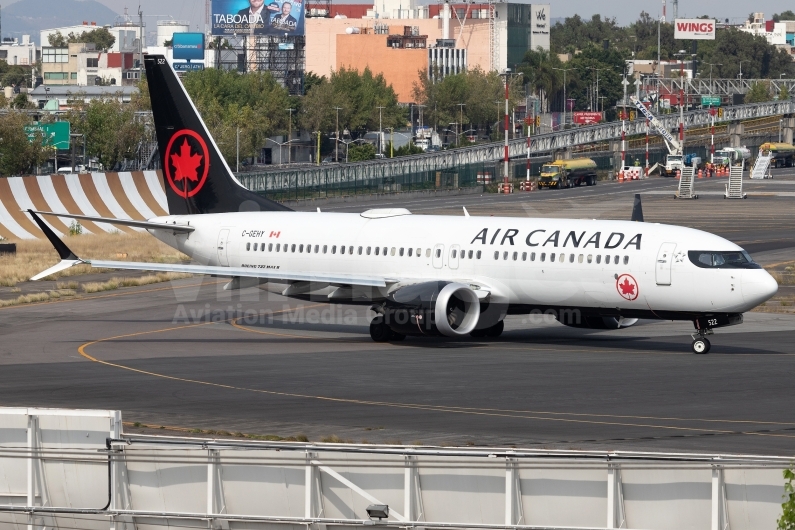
[(36, 255), (115, 283), (38, 297)]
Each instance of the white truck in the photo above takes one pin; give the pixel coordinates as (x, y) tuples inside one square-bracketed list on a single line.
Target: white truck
[(675, 160), (731, 156), (427, 139)]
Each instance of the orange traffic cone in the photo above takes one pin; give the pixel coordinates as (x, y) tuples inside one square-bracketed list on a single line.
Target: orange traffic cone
[(678, 174), (621, 176), (700, 174)]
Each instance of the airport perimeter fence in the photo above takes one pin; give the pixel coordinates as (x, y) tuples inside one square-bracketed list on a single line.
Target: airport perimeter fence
[(77, 469)]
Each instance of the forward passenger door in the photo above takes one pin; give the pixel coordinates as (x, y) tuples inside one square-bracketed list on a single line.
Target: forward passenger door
[(665, 256), (223, 247)]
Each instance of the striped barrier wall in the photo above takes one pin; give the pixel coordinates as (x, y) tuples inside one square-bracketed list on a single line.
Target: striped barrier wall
[(125, 195)]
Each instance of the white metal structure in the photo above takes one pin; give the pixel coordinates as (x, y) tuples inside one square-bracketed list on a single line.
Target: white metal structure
[(734, 189), (687, 183), (675, 159), (73, 469), (761, 169)]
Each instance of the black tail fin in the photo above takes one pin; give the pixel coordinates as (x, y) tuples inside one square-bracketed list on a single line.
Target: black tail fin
[(197, 178), (637, 209)]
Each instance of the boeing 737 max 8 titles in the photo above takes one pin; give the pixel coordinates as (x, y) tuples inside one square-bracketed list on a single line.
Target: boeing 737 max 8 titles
[(429, 275)]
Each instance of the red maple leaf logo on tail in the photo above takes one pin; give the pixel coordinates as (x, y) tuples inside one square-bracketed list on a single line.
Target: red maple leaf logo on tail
[(186, 163), (627, 288)]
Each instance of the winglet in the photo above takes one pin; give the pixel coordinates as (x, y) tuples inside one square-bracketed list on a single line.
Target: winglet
[(637, 210), (466, 213), (68, 258)]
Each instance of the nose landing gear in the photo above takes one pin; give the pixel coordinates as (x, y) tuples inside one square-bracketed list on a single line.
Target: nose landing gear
[(701, 344)]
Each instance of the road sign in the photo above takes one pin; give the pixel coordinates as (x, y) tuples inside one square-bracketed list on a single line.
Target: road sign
[(586, 118), (187, 67), (55, 134), (710, 101)]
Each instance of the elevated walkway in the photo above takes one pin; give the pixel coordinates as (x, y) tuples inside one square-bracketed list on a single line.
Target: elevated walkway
[(273, 181)]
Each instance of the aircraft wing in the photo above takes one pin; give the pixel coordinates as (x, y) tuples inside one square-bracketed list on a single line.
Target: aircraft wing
[(123, 222), (70, 259)]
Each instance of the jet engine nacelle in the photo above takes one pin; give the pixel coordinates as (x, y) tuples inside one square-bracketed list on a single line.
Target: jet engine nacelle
[(432, 308)]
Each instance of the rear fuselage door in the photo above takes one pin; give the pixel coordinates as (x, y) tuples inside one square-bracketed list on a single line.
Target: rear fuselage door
[(438, 256), (665, 257), (223, 247)]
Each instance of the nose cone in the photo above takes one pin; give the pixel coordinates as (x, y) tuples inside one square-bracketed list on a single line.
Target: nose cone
[(758, 286)]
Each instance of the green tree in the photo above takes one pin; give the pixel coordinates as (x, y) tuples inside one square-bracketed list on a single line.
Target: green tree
[(18, 155), (3, 101), (784, 15), (783, 94), (111, 130), (14, 74), (252, 103), (359, 153), (57, 40), (21, 101), (100, 37), (759, 92), (787, 519)]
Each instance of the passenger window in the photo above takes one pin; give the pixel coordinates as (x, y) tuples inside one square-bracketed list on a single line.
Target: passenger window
[(248, 246), (277, 247), (262, 247), (285, 248), (401, 252), (393, 252), (515, 256), (316, 248), (463, 254), (504, 255), (571, 258), (532, 256), (309, 249), (350, 250), (626, 260), (300, 248), (377, 250), (438, 253), (579, 259), (384, 251), (524, 256), (255, 247), (427, 253), (590, 258), (325, 249), (551, 256), (470, 254), (496, 254), (543, 255), (360, 251), (270, 247), (419, 252), (453, 253), (410, 251), (607, 259), (478, 254), (368, 251), (598, 258), (615, 260), (333, 249), (563, 257), (342, 249), (292, 248)]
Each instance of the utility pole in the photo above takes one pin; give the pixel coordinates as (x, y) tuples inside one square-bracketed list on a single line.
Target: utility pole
[(289, 135), (461, 119), (380, 132), (140, 41), (565, 101), (237, 160), (623, 122), (506, 178), (336, 137)]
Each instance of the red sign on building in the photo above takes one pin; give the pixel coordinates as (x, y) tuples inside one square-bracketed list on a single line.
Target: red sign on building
[(586, 118)]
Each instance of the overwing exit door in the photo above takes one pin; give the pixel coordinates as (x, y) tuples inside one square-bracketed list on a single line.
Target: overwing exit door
[(223, 246), (665, 258)]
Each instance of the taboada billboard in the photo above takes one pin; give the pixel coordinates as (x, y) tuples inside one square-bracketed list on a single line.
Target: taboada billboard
[(694, 28), (258, 17)]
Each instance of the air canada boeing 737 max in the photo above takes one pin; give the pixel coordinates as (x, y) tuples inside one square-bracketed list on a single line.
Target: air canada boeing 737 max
[(429, 275)]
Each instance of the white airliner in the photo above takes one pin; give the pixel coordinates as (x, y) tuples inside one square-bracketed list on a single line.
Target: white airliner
[(430, 275)]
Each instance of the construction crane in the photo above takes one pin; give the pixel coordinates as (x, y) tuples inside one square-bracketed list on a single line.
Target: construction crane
[(675, 160)]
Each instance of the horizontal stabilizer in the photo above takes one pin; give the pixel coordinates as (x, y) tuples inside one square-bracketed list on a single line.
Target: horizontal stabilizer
[(122, 222)]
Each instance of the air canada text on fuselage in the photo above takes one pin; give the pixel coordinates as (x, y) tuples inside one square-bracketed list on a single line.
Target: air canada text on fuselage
[(558, 238)]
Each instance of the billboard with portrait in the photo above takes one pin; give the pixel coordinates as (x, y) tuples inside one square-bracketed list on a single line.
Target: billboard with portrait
[(188, 46), (258, 17)]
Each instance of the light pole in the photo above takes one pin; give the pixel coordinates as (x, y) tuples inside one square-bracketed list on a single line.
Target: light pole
[(336, 137), (741, 69), (380, 132), (505, 178), (681, 56), (460, 119), (289, 136), (565, 101), (421, 122), (710, 75)]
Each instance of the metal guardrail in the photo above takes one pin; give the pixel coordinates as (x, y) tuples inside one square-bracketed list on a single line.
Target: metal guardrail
[(719, 87), (73, 469), (489, 153)]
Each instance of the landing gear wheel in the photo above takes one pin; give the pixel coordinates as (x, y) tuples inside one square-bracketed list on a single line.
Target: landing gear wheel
[(701, 346), (379, 331), (495, 330)]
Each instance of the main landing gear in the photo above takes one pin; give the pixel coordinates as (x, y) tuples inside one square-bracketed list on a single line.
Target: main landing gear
[(380, 332), (701, 344)]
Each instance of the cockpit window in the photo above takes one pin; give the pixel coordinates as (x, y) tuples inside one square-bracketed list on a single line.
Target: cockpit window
[(737, 259)]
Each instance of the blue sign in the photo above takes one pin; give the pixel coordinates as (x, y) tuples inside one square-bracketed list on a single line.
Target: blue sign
[(258, 17), (187, 67), (188, 46)]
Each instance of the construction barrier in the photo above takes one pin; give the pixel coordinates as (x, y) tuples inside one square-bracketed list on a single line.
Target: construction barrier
[(484, 178), (528, 185), (126, 195), (506, 187)]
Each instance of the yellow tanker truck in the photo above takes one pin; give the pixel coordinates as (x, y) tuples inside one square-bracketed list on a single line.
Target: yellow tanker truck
[(568, 173), (783, 154)]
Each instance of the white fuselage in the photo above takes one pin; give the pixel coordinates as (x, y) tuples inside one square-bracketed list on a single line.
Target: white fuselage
[(534, 262)]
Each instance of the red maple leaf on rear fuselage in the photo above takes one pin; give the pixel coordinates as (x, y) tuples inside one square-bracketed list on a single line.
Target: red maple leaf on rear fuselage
[(626, 287), (186, 163)]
